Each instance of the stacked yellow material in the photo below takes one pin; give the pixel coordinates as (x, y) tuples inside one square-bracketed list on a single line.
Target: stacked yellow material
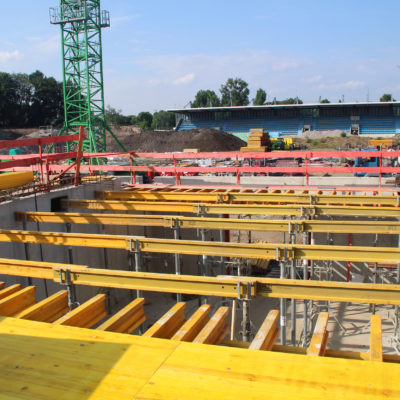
[(258, 141)]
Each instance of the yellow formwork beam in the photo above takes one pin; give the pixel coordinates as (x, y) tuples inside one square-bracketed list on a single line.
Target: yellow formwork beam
[(233, 287), (170, 221), (248, 209), (247, 196), (225, 286), (33, 269), (271, 251), (14, 180)]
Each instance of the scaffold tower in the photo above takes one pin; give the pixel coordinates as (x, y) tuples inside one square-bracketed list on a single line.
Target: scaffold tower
[(81, 22)]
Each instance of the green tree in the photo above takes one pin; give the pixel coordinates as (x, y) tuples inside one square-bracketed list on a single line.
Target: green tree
[(261, 97), (325, 101), (163, 120), (386, 97), (235, 92), (46, 99), (290, 100), (206, 98), (144, 120)]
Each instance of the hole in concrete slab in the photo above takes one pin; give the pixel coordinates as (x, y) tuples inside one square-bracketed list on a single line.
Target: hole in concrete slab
[(57, 204)]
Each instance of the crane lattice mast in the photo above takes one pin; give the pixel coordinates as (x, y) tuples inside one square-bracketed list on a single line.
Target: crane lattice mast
[(81, 22)]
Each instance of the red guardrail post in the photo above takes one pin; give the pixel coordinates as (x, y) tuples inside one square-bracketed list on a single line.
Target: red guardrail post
[(237, 171)]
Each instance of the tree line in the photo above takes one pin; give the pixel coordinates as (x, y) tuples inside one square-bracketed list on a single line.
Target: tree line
[(30, 100), (235, 92)]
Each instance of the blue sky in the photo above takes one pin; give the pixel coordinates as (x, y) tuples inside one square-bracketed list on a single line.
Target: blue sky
[(158, 54)]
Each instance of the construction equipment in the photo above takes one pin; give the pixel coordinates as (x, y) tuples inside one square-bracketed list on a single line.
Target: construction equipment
[(81, 22)]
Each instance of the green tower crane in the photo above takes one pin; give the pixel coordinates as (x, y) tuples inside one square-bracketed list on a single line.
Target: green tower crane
[(81, 22)]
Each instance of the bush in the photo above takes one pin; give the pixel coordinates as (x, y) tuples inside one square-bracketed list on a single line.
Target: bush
[(323, 140), (309, 140), (315, 142), (343, 134)]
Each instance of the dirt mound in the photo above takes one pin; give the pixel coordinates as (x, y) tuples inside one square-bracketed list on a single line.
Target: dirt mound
[(171, 141)]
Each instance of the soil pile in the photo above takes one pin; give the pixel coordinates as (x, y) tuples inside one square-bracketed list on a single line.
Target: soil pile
[(170, 141)]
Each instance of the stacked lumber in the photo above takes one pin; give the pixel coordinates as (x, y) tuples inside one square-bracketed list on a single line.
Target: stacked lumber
[(258, 141)]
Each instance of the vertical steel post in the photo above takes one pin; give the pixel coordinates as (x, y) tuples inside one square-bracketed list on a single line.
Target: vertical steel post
[(283, 309), (177, 256)]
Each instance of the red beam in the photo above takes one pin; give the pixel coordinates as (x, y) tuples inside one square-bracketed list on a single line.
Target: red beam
[(8, 144)]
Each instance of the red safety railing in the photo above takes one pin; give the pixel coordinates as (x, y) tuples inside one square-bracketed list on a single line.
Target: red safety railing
[(308, 163)]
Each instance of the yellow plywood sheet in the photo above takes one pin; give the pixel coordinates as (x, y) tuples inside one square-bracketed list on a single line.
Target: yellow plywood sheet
[(42, 361), (204, 372)]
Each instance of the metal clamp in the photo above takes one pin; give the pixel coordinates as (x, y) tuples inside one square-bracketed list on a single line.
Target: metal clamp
[(239, 291), (132, 249)]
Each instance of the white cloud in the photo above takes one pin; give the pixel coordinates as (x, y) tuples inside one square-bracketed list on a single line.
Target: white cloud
[(6, 56), (285, 65), (343, 85), (184, 80), (313, 79)]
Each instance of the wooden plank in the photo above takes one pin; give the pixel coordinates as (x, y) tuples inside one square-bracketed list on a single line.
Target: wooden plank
[(199, 372), (376, 338), (47, 310), (169, 323), (216, 329), (18, 301), (192, 327), (87, 314), (10, 290), (268, 332), (2, 285), (127, 319), (319, 339)]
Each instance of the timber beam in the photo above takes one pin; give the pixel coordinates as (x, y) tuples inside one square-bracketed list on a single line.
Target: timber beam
[(224, 286), (225, 196), (274, 251), (170, 221), (248, 209), (235, 287)]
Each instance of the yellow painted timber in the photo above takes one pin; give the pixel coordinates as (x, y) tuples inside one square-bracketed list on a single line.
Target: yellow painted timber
[(15, 179), (9, 290), (267, 334), (331, 226), (230, 286), (87, 314), (216, 328), (248, 209), (47, 310), (48, 362), (271, 251), (18, 301), (192, 327), (127, 319), (376, 338), (2, 285), (169, 323), (319, 338), (246, 196), (33, 269)]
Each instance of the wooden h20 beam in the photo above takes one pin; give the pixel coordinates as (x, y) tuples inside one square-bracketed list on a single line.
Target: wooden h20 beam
[(277, 251), (248, 209), (168, 221), (246, 196)]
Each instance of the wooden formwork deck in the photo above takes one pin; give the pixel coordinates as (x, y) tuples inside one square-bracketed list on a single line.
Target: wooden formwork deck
[(43, 361)]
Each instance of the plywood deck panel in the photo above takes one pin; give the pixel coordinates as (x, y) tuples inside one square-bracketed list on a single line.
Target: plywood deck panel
[(43, 361)]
